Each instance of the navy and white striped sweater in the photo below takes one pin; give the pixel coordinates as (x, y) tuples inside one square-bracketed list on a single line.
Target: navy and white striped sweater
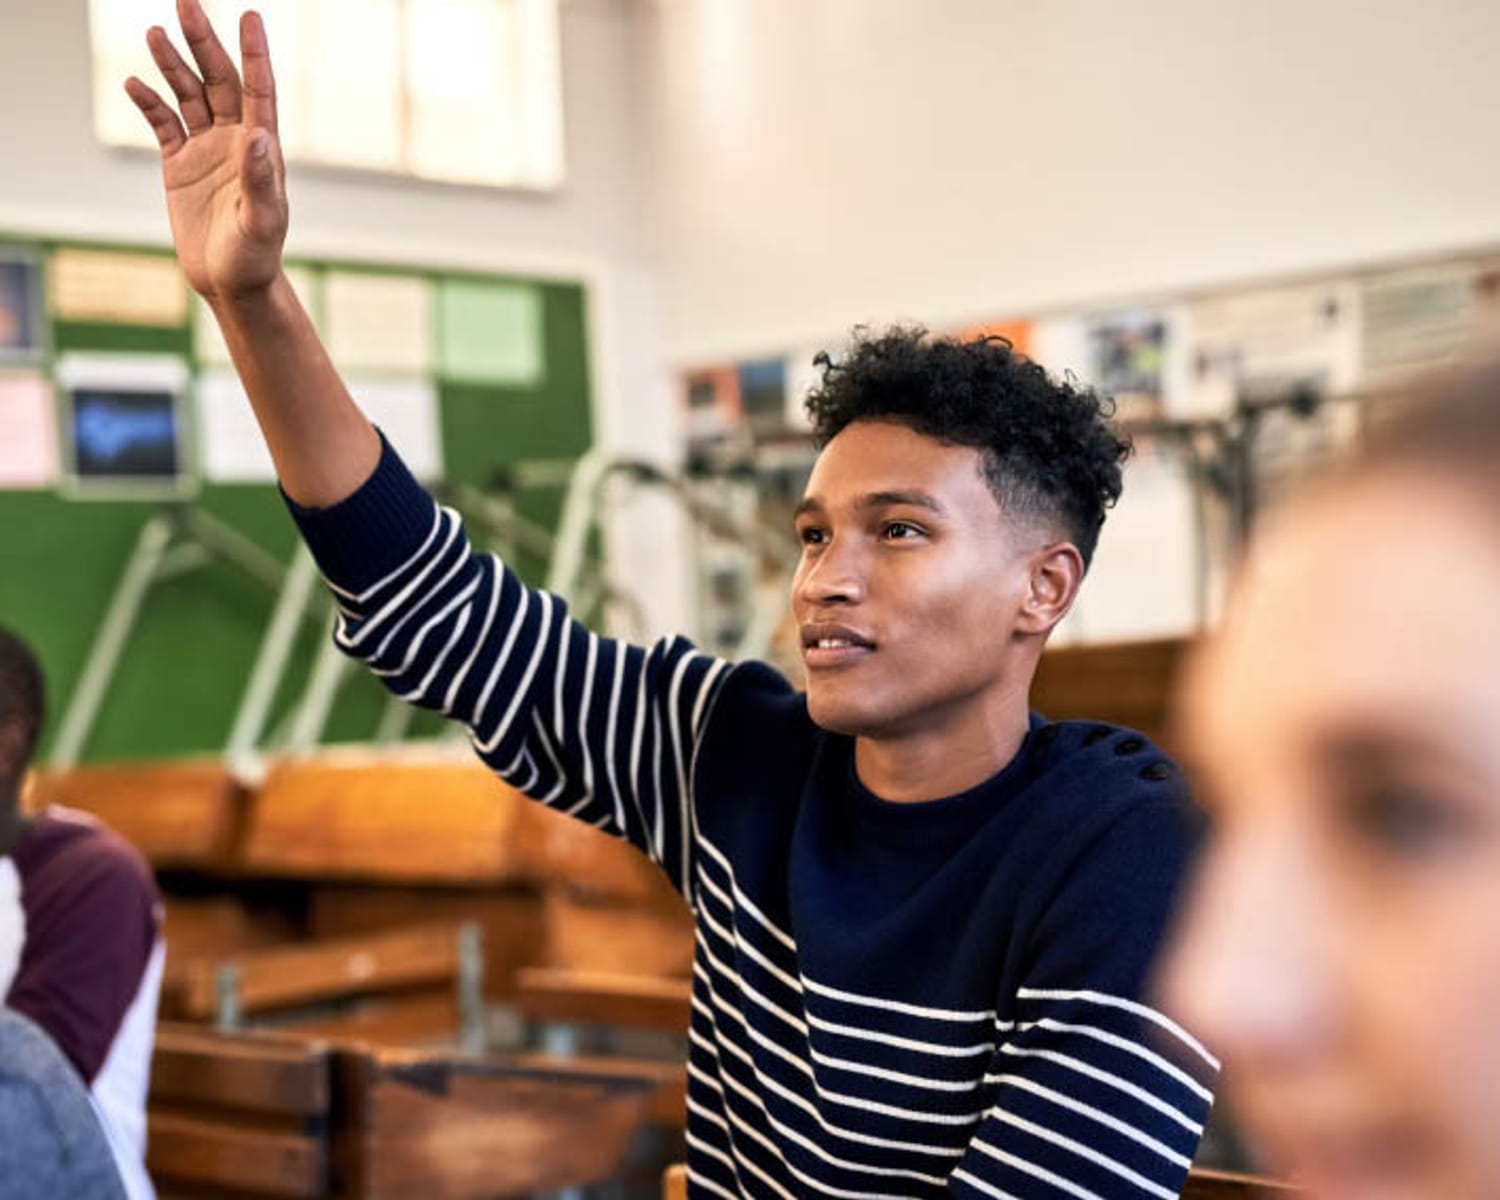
[(889, 1000)]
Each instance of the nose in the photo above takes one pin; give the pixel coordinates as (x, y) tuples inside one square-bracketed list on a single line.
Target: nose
[(1252, 968), (833, 574)]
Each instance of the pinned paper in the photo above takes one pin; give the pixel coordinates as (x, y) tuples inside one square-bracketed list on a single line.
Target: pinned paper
[(1423, 316), (117, 288), (378, 322), (1146, 579), (1264, 345), (28, 433), (491, 333), (231, 446), (406, 410)]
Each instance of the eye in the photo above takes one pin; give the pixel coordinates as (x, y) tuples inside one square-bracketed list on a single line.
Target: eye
[(811, 535), (1405, 821), (898, 531)]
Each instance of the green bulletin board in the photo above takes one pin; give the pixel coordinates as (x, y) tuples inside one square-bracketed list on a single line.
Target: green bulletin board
[(526, 396)]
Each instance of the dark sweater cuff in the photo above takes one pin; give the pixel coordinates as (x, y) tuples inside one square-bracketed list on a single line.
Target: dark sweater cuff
[(373, 530)]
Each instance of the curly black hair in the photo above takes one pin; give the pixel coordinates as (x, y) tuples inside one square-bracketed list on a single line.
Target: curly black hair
[(23, 697), (1049, 448)]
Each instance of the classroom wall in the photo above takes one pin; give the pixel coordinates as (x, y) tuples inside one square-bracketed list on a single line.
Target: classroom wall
[(59, 183), (865, 160)]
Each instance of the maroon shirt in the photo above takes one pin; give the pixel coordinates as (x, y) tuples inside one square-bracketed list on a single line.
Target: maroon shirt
[(91, 920)]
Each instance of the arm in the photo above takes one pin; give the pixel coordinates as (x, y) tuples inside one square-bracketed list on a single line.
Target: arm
[(1095, 1093), (595, 728), (602, 731)]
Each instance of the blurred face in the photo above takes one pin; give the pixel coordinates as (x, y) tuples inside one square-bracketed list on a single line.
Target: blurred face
[(909, 586), (1341, 949)]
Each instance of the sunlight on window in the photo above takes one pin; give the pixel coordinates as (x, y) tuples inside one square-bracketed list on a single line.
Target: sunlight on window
[(467, 91)]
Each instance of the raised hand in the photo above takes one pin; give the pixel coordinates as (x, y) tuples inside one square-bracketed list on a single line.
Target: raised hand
[(221, 158)]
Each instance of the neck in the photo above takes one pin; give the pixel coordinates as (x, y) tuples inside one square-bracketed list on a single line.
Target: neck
[(932, 763), (13, 823)]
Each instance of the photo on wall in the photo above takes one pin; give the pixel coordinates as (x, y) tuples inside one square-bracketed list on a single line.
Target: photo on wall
[(21, 324), (124, 426)]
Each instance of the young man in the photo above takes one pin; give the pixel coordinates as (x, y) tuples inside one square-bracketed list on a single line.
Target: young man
[(80, 945), (923, 915)]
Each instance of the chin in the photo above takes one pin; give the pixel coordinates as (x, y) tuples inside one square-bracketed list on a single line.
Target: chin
[(846, 715)]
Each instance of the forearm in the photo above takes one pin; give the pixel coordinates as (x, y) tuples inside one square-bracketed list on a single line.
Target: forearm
[(321, 443)]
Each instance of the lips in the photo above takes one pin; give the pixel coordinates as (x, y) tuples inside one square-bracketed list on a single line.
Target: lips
[(829, 645)]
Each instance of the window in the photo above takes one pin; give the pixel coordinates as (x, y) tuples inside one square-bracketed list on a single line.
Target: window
[(467, 91)]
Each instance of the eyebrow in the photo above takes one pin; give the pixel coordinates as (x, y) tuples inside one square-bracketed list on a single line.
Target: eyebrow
[(914, 499)]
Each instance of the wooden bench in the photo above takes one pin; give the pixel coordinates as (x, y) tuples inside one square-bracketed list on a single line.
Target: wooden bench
[(559, 1001), (177, 814), (468, 1128), (1128, 683), (432, 976), (235, 1113)]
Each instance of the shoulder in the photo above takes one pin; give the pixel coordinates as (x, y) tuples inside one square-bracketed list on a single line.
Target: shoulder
[(1119, 820), (71, 852)]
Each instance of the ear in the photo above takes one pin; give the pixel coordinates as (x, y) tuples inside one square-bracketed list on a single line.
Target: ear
[(1055, 577)]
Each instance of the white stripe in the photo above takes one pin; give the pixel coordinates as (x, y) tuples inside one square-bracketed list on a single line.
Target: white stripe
[(517, 621), (740, 1159), (790, 1096), (414, 646), (523, 688), (1132, 1006), (611, 741), (480, 639), (744, 901), (989, 1189), (590, 666), (361, 597), (1027, 1168), (787, 1132), (761, 1039), (1082, 1151), (441, 657), (397, 603), (1130, 1047), (900, 1006), (1149, 1099), (559, 778), (903, 1043), (463, 562), (1124, 1128), (674, 694)]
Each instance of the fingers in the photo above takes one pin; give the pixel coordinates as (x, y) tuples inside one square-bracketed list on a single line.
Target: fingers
[(263, 217), (260, 84), (162, 118), (221, 82), (180, 78)]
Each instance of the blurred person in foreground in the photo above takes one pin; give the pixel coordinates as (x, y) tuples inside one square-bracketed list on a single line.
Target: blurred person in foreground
[(81, 950), (1341, 949), (924, 915)]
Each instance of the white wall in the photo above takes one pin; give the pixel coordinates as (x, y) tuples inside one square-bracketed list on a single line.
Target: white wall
[(823, 162), (56, 179)]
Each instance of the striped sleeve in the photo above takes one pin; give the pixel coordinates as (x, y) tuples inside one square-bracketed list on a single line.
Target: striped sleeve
[(1092, 1092), (595, 728)]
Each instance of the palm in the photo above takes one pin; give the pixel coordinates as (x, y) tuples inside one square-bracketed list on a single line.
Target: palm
[(227, 206), (219, 249)]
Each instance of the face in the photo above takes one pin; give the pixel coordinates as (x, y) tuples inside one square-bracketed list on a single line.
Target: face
[(910, 586), (1342, 946)]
